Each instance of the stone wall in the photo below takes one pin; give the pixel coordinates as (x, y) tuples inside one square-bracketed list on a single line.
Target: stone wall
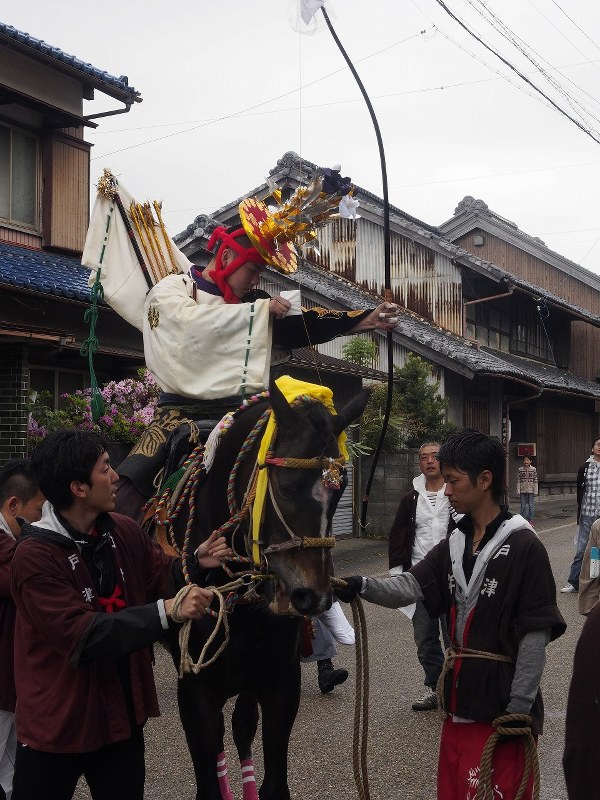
[(393, 478), (14, 385)]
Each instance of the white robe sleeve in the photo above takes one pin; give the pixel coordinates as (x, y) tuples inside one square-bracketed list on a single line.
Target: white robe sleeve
[(204, 348)]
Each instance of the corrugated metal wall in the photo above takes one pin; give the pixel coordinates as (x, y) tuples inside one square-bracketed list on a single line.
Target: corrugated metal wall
[(424, 281), (344, 517), (69, 196)]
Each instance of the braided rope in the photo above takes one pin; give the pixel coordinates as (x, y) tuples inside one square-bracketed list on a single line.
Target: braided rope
[(187, 663), (228, 596), (90, 345), (304, 463), (360, 732), (250, 440), (504, 728), (451, 657)]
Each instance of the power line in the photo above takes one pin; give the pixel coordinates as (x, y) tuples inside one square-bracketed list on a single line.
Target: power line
[(591, 134), (573, 230), (576, 25), (443, 87), (497, 175), (591, 248), (256, 105), (488, 15), (562, 33)]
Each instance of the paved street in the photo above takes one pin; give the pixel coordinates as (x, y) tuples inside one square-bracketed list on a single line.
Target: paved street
[(402, 744)]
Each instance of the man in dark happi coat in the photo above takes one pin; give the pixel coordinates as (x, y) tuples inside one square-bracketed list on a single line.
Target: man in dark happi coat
[(493, 579), (582, 731), (93, 592)]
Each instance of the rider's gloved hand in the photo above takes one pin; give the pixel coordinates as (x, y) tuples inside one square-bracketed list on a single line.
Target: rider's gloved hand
[(348, 592)]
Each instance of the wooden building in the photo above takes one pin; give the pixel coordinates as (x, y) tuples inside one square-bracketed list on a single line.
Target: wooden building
[(504, 344), (44, 213)]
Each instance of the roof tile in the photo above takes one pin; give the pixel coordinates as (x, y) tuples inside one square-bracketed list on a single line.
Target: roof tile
[(42, 271)]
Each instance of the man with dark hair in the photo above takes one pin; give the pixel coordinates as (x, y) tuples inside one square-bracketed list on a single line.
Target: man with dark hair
[(20, 500), (88, 585), (422, 520), (588, 511), (493, 578)]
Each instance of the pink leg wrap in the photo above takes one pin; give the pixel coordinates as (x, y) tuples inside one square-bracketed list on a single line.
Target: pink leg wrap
[(248, 779), (223, 777)]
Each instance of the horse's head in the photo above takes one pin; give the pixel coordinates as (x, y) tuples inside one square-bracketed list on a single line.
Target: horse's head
[(301, 500)]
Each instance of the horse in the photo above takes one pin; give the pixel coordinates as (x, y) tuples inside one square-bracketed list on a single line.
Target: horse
[(260, 663)]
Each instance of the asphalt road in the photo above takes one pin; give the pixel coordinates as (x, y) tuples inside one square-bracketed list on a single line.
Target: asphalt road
[(403, 744)]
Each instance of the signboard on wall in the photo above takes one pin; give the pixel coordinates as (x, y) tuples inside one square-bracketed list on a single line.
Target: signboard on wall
[(526, 449)]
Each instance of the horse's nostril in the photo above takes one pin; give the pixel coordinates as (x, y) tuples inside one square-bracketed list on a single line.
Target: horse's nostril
[(305, 601)]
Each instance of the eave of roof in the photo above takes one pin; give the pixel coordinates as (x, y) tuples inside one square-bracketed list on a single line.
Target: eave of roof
[(307, 357), (43, 272), (42, 51)]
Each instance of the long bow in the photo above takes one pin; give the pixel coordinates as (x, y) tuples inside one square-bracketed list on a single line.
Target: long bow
[(308, 9)]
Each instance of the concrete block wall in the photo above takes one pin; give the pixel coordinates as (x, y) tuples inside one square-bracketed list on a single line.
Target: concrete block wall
[(393, 478), (14, 386)]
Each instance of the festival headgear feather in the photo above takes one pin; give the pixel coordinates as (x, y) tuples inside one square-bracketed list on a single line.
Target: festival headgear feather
[(276, 231)]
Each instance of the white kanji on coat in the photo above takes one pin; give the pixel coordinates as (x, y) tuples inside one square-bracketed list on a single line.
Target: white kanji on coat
[(73, 560), (503, 551), (489, 586), (88, 594)]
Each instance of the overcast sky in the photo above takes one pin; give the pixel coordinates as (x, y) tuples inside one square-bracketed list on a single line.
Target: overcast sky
[(222, 101)]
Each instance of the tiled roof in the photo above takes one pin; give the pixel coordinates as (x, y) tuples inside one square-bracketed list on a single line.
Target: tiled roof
[(41, 271), (444, 347), (440, 346), (116, 87), (307, 357)]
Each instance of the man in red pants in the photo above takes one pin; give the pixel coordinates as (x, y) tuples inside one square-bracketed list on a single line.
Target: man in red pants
[(492, 577)]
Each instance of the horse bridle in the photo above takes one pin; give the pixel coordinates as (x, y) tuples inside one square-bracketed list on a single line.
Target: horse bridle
[(331, 475)]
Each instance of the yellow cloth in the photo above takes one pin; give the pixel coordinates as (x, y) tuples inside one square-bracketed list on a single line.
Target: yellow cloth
[(291, 389)]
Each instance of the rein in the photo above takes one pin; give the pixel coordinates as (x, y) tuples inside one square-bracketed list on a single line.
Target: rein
[(360, 731), (174, 496)]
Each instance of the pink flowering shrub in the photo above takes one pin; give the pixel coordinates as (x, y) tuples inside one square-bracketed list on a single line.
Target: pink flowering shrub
[(128, 409)]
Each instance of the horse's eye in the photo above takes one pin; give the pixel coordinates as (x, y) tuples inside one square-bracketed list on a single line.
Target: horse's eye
[(288, 492)]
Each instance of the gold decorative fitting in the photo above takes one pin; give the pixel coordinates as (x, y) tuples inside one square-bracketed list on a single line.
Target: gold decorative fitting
[(276, 231), (107, 185), (153, 317)]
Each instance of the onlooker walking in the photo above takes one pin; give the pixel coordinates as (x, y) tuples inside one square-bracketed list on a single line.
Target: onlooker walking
[(88, 586), (20, 499), (527, 488), (422, 520), (588, 511), (493, 577)]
